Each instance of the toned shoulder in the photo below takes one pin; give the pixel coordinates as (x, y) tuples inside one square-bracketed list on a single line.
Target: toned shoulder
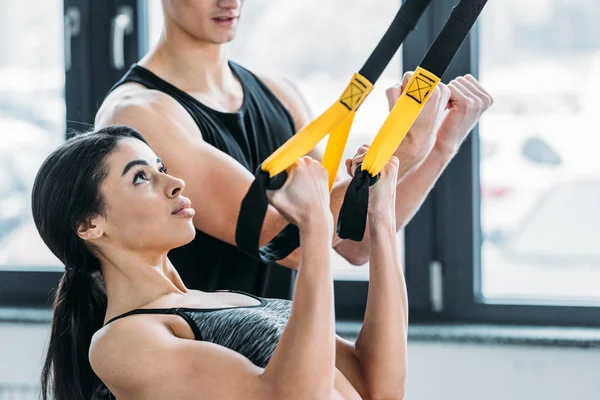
[(117, 348), (113, 338), (133, 103), (290, 96), (283, 88)]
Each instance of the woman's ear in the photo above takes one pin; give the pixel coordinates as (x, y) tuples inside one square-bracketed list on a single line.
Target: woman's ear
[(90, 229)]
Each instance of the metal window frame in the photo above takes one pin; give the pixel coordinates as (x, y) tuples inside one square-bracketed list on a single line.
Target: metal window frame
[(450, 214), (457, 227), (86, 84)]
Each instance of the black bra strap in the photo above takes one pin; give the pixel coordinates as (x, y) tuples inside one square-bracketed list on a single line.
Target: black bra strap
[(164, 311)]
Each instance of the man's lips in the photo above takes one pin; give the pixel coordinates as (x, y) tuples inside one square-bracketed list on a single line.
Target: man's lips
[(225, 19)]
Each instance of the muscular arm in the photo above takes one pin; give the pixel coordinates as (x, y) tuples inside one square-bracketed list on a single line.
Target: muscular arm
[(215, 182), (411, 193), (412, 190)]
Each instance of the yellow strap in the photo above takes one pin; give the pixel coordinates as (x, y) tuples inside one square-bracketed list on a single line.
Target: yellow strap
[(336, 120), (403, 115), (335, 148)]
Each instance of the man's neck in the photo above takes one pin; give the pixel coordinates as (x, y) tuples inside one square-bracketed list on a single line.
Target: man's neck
[(190, 64)]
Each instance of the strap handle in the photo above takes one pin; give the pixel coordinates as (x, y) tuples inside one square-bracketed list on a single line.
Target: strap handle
[(353, 214), (336, 120)]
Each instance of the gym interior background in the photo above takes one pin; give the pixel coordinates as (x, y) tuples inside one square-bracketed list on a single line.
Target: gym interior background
[(503, 259)]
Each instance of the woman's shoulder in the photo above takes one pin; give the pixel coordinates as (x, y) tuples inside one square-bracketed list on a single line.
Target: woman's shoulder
[(115, 349)]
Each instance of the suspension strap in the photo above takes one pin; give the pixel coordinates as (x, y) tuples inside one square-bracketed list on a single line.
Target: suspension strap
[(353, 214), (335, 121)]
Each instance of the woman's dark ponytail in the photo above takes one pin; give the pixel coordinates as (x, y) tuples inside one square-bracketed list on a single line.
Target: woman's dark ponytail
[(65, 194), (79, 308)]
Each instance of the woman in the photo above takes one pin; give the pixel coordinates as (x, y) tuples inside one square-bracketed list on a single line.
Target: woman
[(125, 325)]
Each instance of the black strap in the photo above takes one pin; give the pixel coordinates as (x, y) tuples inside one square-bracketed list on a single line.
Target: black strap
[(446, 45), (255, 204), (351, 209), (252, 216), (405, 21), (353, 214)]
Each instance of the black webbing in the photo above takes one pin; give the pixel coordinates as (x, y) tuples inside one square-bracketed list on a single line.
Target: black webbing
[(352, 208), (353, 214), (446, 45), (250, 222), (405, 21)]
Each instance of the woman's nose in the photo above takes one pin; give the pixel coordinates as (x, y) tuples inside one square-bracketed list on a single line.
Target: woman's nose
[(175, 186)]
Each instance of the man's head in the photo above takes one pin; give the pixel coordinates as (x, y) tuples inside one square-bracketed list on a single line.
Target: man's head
[(213, 21)]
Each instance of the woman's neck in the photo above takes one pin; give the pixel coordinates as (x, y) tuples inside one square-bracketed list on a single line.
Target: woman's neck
[(136, 280)]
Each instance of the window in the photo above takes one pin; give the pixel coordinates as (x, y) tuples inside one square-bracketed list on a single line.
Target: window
[(508, 234), (32, 120), (540, 188), (46, 87), (514, 217), (274, 38)]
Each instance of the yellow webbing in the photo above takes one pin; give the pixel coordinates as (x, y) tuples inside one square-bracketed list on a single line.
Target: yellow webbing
[(336, 121), (403, 115)]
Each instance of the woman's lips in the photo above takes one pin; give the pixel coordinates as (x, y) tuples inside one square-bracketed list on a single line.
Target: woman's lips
[(186, 212), (183, 208)]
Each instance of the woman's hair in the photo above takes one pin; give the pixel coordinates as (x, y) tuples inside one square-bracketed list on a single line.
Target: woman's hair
[(66, 193)]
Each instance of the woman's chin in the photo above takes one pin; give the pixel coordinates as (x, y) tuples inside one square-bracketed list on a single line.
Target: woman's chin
[(190, 234), (181, 236)]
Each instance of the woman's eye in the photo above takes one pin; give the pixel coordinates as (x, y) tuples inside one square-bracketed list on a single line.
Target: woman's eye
[(163, 169), (140, 176)]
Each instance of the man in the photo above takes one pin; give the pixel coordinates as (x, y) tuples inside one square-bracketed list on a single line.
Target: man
[(213, 122)]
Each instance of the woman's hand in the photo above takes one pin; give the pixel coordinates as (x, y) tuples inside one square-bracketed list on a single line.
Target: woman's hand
[(304, 198), (382, 195)]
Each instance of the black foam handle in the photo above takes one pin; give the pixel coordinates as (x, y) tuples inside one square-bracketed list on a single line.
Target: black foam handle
[(276, 182), (446, 45), (352, 219), (405, 21), (372, 179)]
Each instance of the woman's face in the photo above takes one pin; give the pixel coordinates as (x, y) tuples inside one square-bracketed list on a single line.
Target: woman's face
[(145, 207)]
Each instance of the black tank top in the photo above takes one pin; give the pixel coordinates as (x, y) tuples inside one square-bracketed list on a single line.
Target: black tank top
[(250, 135)]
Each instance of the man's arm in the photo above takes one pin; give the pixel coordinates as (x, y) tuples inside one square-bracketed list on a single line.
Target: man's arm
[(215, 182), (411, 193), (467, 101)]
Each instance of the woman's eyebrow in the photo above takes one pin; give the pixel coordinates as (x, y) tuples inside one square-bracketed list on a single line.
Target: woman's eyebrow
[(133, 163)]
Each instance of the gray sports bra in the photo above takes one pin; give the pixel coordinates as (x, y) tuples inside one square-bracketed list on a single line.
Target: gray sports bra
[(252, 331)]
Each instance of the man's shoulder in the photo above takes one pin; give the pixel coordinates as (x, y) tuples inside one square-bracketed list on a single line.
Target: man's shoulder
[(133, 100), (290, 95)]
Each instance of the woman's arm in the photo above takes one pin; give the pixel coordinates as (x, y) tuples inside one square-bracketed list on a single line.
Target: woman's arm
[(137, 357), (376, 364), (309, 337)]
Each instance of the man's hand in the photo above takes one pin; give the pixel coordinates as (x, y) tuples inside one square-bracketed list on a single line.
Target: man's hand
[(468, 101), (421, 137)]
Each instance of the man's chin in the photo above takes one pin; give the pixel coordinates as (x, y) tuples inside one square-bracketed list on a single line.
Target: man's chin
[(224, 39)]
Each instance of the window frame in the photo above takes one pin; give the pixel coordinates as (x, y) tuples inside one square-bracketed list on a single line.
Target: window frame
[(457, 215), (86, 84), (436, 234)]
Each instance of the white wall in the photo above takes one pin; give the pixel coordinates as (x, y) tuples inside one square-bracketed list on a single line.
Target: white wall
[(437, 371), (443, 371)]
